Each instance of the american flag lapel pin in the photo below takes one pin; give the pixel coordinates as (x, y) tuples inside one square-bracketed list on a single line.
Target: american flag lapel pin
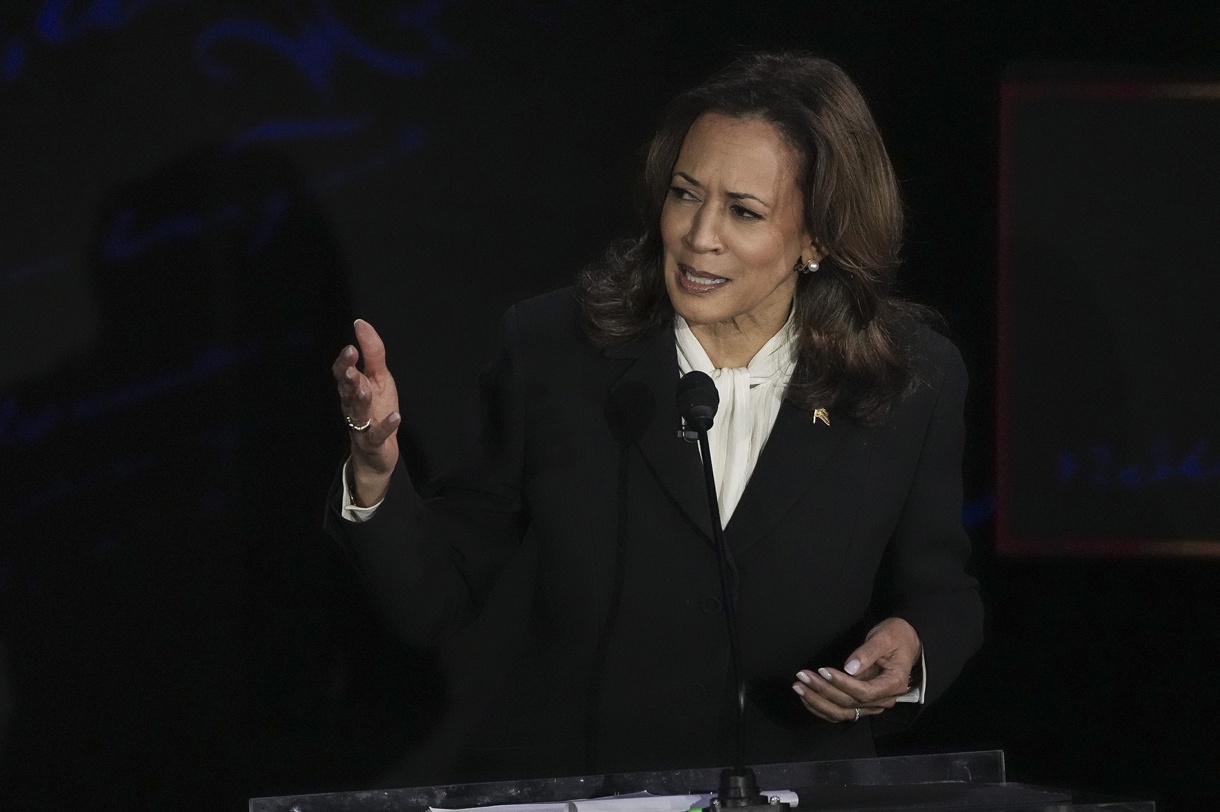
[(821, 414)]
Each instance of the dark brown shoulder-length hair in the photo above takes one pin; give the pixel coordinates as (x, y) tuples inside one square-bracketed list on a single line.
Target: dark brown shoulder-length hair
[(850, 354)]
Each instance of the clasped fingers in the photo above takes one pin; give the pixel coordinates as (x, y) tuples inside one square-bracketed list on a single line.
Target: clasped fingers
[(828, 702), (878, 686)]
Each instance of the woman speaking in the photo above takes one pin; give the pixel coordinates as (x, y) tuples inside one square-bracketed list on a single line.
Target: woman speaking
[(771, 238)]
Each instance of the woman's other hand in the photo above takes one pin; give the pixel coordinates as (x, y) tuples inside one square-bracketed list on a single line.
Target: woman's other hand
[(872, 679), (369, 398)]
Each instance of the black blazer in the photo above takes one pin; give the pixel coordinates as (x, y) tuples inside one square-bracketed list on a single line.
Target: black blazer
[(626, 665)]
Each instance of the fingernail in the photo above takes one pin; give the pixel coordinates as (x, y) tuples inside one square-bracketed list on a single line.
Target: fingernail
[(825, 674), (803, 677), (852, 667), (393, 417), (362, 394), (799, 690), (357, 321)]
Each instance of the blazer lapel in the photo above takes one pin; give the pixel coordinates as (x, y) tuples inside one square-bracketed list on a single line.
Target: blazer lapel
[(794, 455), (648, 391), (796, 452)]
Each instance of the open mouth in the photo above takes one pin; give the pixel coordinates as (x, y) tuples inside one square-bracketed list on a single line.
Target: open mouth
[(698, 281)]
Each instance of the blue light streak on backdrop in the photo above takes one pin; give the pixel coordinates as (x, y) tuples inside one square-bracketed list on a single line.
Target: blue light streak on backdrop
[(316, 47), (314, 50), (1102, 469), (18, 429), (273, 131), (58, 26)]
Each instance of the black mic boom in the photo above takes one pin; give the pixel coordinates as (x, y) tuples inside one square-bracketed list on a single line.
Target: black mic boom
[(697, 403)]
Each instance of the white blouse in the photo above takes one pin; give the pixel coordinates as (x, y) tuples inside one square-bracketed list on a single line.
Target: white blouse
[(750, 398)]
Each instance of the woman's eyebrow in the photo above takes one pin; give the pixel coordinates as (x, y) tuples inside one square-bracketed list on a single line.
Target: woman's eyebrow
[(734, 195), (747, 196)]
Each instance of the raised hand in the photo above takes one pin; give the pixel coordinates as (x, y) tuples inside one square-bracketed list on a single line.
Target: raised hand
[(872, 679), (369, 400)]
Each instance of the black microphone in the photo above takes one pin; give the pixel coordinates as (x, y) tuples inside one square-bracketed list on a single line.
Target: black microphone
[(698, 401)]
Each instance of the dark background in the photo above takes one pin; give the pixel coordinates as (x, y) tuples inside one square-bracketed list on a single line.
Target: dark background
[(198, 197)]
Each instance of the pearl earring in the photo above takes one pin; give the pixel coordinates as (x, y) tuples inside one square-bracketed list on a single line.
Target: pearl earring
[(803, 267)]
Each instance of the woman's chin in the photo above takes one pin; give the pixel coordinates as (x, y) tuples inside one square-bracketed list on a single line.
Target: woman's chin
[(683, 307), (699, 308)]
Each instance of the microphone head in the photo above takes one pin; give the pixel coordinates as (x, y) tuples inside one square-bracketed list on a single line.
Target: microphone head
[(697, 400)]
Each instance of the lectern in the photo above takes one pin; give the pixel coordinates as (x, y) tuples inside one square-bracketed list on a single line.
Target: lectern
[(944, 781)]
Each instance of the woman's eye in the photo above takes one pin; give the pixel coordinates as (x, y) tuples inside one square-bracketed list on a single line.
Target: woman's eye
[(678, 193), (746, 214)]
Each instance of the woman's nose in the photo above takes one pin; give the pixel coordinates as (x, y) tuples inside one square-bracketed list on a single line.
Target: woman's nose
[(703, 235)]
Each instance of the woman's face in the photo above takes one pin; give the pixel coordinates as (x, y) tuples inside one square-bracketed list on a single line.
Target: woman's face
[(732, 225)]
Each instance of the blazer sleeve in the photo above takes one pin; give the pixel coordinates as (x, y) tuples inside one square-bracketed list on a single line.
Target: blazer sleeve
[(432, 555), (929, 550)]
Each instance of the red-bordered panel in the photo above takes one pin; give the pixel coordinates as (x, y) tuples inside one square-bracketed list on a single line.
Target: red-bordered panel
[(1108, 367)]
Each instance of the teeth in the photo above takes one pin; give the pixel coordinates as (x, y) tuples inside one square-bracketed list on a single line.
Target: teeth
[(699, 280)]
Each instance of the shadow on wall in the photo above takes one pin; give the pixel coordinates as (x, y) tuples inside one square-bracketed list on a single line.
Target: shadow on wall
[(181, 632)]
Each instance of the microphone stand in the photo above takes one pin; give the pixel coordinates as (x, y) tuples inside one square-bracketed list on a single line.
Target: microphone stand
[(738, 784)]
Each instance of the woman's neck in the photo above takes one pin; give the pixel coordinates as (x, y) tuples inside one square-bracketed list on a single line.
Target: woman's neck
[(733, 344)]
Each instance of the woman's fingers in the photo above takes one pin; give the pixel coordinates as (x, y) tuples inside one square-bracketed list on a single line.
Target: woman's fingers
[(837, 698), (345, 362), (878, 686), (347, 377), (819, 685), (841, 689), (822, 707), (873, 678), (379, 432), (354, 400), (355, 405), (358, 389)]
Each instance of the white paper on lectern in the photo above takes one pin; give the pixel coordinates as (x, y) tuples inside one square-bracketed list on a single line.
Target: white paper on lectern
[(556, 806), (633, 802), (637, 802)]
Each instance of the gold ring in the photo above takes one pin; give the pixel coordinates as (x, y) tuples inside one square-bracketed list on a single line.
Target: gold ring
[(362, 427)]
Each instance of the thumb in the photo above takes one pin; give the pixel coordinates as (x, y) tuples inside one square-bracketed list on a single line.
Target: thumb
[(892, 642), (372, 350), (864, 657), (878, 643)]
